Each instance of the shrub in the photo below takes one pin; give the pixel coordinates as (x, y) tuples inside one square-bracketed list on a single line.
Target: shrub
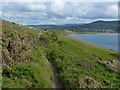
[(24, 46)]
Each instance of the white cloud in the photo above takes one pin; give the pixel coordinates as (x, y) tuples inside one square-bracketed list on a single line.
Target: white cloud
[(37, 7), (58, 12), (59, 0), (115, 7), (58, 7), (112, 11)]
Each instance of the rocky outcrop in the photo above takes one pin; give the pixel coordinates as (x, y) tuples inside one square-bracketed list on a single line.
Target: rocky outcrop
[(92, 83), (16, 47), (111, 66)]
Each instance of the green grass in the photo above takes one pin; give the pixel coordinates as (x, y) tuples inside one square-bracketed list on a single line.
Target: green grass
[(75, 58), (12, 28), (72, 59), (34, 73)]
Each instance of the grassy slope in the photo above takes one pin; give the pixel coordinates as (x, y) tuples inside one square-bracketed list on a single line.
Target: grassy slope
[(74, 59), (32, 71)]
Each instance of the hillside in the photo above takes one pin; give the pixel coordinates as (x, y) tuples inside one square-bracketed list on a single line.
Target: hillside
[(102, 26), (24, 63), (97, 26), (27, 53)]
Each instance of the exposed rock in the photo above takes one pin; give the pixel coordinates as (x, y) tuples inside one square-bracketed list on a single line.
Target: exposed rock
[(5, 44), (109, 65), (92, 83), (5, 55), (80, 81), (86, 65), (45, 40), (96, 57), (17, 47)]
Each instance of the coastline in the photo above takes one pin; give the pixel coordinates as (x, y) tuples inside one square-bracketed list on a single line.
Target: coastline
[(72, 35), (72, 32), (96, 33)]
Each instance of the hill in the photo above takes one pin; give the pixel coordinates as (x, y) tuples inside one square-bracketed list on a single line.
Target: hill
[(102, 26), (78, 64), (97, 26), (24, 63)]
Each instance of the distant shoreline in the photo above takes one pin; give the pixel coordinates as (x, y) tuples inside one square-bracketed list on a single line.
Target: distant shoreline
[(96, 33), (108, 33), (72, 32)]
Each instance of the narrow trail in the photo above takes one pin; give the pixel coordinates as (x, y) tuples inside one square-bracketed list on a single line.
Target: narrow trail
[(41, 33), (57, 84)]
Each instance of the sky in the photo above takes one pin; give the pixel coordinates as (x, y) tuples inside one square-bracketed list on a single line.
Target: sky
[(58, 12)]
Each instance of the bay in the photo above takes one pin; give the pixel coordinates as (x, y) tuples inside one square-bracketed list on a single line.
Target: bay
[(109, 41)]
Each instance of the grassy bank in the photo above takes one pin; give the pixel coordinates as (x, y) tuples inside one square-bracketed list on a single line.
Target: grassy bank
[(24, 61), (78, 64), (81, 64)]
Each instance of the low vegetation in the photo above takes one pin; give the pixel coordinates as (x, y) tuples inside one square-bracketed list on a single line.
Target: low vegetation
[(78, 64), (24, 61), (81, 64)]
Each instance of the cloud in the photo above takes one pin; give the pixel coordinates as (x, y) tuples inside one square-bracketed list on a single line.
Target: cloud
[(37, 7), (59, 0), (58, 12), (102, 10)]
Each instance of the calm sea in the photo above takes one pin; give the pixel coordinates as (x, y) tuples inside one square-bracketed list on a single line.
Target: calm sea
[(109, 41)]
